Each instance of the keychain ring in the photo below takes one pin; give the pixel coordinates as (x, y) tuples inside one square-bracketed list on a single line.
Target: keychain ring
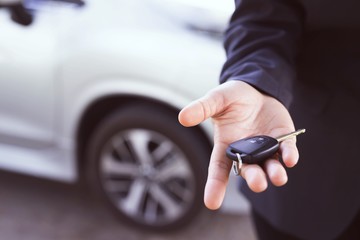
[(239, 160), (237, 165)]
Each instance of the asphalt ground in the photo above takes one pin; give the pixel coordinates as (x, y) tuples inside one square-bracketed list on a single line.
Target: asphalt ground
[(38, 209)]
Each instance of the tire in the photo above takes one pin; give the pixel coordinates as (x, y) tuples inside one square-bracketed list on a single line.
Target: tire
[(148, 168)]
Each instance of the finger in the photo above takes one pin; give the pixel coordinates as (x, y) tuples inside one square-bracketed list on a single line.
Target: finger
[(218, 177), (289, 152), (276, 172), (255, 177), (199, 110)]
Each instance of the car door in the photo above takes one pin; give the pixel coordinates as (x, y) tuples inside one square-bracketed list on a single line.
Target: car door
[(27, 81)]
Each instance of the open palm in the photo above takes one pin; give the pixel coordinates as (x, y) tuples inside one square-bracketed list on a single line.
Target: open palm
[(238, 110)]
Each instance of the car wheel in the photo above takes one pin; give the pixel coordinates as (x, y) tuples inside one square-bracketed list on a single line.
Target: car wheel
[(148, 168)]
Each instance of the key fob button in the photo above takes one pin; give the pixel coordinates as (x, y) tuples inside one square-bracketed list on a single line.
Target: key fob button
[(258, 140), (253, 149)]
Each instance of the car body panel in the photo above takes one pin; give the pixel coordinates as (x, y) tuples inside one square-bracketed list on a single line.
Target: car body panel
[(20, 121)]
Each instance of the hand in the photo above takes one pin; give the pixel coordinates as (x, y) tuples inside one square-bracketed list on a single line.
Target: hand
[(238, 110)]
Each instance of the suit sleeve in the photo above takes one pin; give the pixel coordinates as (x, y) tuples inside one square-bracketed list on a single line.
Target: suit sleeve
[(261, 44)]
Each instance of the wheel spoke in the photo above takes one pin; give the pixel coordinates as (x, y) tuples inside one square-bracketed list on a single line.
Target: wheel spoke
[(139, 143), (112, 167), (171, 207), (165, 148), (178, 168), (120, 147), (131, 204)]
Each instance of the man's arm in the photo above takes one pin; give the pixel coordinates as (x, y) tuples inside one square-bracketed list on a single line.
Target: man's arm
[(261, 44)]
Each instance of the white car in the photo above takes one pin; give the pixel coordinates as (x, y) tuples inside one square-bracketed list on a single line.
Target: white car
[(92, 92)]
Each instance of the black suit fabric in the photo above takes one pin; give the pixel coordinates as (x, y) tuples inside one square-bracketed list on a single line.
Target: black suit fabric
[(307, 55)]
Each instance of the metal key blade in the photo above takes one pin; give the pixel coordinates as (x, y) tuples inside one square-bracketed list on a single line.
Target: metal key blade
[(289, 135)]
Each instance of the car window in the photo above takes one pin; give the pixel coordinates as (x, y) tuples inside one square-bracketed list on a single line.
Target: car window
[(34, 5)]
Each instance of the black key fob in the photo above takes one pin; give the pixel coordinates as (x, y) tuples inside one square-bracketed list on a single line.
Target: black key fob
[(253, 150)]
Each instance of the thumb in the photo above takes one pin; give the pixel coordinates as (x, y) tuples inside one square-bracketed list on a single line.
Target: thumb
[(199, 110)]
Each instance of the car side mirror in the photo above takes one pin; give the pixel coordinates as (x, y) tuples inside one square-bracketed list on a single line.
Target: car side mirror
[(17, 12), (24, 16), (20, 15)]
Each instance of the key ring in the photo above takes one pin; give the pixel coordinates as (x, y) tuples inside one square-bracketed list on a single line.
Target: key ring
[(237, 165)]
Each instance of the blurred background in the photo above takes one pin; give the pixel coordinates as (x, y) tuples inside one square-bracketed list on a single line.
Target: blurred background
[(90, 146)]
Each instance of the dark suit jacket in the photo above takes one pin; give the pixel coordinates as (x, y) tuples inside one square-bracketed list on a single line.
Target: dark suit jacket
[(307, 55)]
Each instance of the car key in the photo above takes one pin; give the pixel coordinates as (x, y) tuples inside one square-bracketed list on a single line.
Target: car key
[(256, 149)]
